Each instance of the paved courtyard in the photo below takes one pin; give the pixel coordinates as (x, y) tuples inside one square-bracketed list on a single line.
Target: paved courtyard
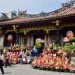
[(28, 70)]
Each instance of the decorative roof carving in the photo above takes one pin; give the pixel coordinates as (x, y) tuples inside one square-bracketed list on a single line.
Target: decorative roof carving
[(13, 14), (64, 7), (3, 16), (68, 4), (24, 14), (8, 16)]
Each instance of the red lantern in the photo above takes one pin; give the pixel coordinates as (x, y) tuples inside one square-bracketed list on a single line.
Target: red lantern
[(69, 34), (10, 38)]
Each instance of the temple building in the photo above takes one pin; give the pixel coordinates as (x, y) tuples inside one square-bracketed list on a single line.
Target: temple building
[(24, 29)]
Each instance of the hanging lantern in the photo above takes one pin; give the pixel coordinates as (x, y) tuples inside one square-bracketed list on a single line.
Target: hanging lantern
[(69, 34), (57, 22), (10, 38)]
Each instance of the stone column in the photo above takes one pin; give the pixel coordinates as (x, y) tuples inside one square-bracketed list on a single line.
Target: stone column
[(17, 38), (46, 39), (31, 40), (58, 37), (61, 41), (28, 41), (23, 40), (20, 40), (49, 39), (1, 40)]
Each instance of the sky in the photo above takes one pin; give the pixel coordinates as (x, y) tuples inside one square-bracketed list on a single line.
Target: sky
[(32, 6)]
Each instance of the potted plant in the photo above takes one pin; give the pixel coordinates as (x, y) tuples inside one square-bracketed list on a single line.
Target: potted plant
[(72, 39), (38, 45), (68, 48)]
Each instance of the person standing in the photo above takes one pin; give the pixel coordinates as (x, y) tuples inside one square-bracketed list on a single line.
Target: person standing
[(1, 66)]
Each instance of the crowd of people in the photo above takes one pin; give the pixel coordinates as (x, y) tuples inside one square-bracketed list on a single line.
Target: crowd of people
[(44, 57), (17, 55)]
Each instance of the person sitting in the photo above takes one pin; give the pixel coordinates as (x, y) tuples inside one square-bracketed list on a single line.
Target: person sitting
[(7, 62)]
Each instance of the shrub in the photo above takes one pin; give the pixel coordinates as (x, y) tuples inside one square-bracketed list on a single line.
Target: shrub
[(72, 39), (38, 44), (68, 48)]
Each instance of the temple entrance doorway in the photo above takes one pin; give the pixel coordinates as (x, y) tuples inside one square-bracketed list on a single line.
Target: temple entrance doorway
[(39, 36), (36, 34), (9, 39)]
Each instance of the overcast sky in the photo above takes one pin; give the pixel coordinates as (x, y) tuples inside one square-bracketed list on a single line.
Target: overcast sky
[(32, 6)]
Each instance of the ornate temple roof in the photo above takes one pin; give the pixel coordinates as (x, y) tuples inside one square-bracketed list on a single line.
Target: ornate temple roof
[(66, 13), (67, 10)]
